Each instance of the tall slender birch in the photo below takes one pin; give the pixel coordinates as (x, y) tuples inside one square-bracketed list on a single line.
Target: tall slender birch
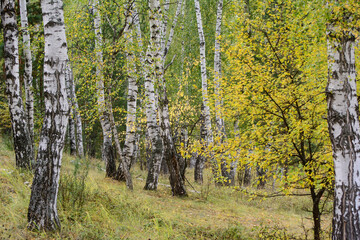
[(205, 98), (75, 124), (128, 154), (344, 129), (28, 79), (171, 157), (227, 173), (154, 66), (71, 126), (42, 212), (217, 72), (22, 139), (172, 30), (78, 122), (107, 148), (204, 84)]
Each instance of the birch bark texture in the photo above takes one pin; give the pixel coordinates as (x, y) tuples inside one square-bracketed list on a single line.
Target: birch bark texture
[(154, 67), (42, 212), (23, 145), (28, 79), (107, 148), (344, 129), (128, 154)]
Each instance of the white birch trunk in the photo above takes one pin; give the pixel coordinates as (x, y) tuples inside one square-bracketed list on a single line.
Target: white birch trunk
[(127, 155), (107, 148), (217, 72), (130, 139), (206, 111), (165, 19), (77, 116), (154, 66), (75, 125), (22, 139), (344, 129), (42, 213), (123, 165), (71, 126), (28, 79)]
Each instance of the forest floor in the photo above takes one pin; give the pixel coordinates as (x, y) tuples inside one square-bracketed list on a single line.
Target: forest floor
[(93, 207)]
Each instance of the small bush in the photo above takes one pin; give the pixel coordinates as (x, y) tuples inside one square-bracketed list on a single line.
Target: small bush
[(72, 189), (273, 232)]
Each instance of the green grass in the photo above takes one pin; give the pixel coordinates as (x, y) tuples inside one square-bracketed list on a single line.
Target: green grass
[(93, 207)]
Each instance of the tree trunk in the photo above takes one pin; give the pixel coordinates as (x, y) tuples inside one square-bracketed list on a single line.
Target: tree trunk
[(344, 129), (261, 177), (205, 98), (77, 116), (172, 30), (75, 125), (107, 148), (23, 145), (154, 66), (42, 213), (217, 69), (28, 79), (206, 125), (123, 167), (72, 135), (200, 161), (316, 198), (130, 139), (172, 158)]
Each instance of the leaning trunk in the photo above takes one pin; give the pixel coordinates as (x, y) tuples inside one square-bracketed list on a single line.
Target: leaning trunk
[(22, 139), (42, 213), (344, 129)]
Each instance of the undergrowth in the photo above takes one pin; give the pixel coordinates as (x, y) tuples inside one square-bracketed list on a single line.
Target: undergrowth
[(93, 207)]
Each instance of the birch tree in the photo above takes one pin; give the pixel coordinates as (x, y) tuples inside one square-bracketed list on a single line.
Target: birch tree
[(21, 136), (217, 72), (205, 98), (153, 68), (343, 123), (75, 124), (107, 148), (227, 173), (28, 79), (42, 212), (130, 139)]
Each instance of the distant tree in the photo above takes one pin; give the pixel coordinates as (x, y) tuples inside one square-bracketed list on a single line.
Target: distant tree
[(28, 78), (108, 154)]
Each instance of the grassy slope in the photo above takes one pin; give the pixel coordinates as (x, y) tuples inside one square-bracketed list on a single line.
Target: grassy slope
[(104, 209)]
